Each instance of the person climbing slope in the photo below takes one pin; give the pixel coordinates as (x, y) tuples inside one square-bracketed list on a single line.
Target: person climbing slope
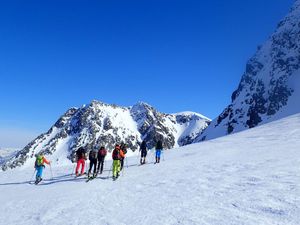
[(81, 157), (143, 150), (116, 156), (158, 150), (39, 165), (93, 155), (123, 150), (101, 157)]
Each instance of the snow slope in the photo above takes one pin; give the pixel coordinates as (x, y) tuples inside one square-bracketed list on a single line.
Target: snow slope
[(270, 86), (250, 177)]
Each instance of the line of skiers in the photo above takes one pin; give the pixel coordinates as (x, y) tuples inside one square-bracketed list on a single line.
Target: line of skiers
[(97, 158), (96, 161)]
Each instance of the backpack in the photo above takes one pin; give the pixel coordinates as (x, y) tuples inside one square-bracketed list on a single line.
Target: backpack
[(124, 149), (159, 145), (92, 155), (116, 154), (80, 153), (39, 160), (143, 146), (102, 152)]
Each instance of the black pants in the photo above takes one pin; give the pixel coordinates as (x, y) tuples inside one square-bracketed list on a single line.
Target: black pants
[(143, 155), (122, 163), (100, 164), (93, 163)]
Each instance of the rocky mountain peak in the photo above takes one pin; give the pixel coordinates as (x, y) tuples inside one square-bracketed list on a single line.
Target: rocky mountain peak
[(270, 85), (100, 124)]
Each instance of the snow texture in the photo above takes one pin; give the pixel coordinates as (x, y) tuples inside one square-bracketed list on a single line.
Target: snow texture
[(251, 177)]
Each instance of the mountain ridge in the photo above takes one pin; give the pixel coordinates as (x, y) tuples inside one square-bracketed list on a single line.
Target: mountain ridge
[(101, 124), (270, 86)]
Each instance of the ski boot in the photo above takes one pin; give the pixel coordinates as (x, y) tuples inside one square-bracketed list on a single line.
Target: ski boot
[(38, 180)]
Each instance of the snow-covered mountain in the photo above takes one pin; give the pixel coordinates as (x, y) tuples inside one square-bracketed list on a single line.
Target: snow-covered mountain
[(99, 124), (270, 86), (249, 178), (7, 153)]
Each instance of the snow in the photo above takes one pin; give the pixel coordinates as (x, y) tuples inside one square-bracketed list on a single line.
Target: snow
[(251, 177), (189, 113), (269, 88), (7, 153), (39, 145)]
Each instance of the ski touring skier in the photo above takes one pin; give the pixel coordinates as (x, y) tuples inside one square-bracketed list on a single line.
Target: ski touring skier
[(101, 157), (39, 166), (158, 150), (81, 157), (123, 150), (143, 150), (117, 154), (93, 155)]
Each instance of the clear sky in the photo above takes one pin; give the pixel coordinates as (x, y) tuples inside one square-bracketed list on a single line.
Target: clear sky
[(176, 55)]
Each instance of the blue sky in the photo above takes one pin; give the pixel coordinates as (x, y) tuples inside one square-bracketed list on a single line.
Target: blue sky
[(175, 55)]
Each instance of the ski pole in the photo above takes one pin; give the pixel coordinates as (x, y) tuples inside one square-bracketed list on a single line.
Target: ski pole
[(123, 171), (163, 155), (32, 175), (51, 172), (126, 162), (109, 171), (154, 155), (86, 166), (73, 169), (138, 158)]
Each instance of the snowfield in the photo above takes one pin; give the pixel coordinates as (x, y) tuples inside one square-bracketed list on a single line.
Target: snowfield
[(250, 177)]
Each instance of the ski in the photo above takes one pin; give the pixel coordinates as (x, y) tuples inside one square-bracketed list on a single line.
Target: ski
[(38, 181), (90, 178), (115, 178), (80, 175)]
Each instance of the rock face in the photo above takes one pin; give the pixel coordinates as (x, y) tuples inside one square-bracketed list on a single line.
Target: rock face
[(99, 124), (270, 86)]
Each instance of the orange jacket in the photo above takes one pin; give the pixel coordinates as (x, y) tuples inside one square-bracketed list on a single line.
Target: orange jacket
[(122, 153), (45, 161)]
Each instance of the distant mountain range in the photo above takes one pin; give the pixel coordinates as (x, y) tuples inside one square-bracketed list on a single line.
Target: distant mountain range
[(99, 124)]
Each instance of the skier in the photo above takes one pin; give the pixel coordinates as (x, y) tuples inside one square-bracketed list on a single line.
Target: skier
[(81, 157), (101, 157), (124, 151), (116, 155), (39, 165), (143, 150), (158, 151), (93, 163)]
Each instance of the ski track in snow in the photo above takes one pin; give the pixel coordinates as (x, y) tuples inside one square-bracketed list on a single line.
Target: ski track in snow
[(247, 178)]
